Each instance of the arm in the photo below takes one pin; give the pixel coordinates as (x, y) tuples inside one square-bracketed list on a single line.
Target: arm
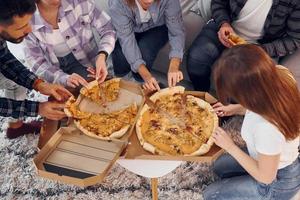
[(40, 65), (14, 70), (101, 21), (18, 109), (291, 42), (264, 168), (220, 11), (122, 22), (176, 29)]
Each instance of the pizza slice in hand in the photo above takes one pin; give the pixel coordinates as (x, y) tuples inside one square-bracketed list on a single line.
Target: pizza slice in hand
[(236, 40)]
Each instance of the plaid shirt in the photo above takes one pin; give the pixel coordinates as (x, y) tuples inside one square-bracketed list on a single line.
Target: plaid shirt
[(12, 69), (76, 19)]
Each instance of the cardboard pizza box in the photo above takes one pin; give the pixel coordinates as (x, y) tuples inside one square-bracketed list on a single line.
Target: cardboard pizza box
[(74, 158), (134, 150)]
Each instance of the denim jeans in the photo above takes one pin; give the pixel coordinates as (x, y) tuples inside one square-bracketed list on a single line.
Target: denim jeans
[(237, 184), (69, 64), (149, 42), (202, 54)]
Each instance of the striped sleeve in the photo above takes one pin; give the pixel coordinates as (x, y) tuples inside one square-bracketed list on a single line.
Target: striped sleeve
[(13, 69)]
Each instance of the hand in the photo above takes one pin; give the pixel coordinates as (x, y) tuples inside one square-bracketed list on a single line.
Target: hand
[(52, 110), (222, 110), (222, 139), (75, 80), (229, 110), (223, 34), (151, 84), (57, 91), (174, 74), (101, 70)]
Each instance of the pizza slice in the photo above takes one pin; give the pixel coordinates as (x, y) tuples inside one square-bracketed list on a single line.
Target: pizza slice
[(72, 110), (236, 40), (107, 91)]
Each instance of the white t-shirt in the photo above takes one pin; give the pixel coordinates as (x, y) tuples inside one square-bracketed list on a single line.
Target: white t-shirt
[(59, 44), (263, 137), (144, 14), (251, 19)]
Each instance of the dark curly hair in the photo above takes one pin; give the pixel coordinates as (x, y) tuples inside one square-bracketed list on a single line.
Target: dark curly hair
[(12, 8)]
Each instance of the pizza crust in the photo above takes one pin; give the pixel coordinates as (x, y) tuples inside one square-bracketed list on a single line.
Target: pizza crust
[(167, 91)]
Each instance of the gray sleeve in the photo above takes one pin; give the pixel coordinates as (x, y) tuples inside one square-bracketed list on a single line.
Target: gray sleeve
[(122, 21), (176, 30)]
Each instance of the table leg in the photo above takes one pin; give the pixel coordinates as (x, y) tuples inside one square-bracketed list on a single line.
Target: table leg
[(154, 183)]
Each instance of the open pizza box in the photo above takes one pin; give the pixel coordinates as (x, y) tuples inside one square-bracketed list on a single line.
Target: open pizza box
[(75, 158), (134, 150)]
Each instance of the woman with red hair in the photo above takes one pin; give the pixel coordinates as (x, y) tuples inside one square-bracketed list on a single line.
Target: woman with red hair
[(269, 98)]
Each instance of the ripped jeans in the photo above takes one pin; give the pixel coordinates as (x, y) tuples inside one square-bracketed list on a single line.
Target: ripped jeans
[(237, 184)]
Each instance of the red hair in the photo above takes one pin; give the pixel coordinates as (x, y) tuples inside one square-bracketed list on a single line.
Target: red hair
[(247, 75)]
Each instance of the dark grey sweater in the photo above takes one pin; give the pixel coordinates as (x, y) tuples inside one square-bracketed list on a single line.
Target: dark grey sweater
[(281, 29)]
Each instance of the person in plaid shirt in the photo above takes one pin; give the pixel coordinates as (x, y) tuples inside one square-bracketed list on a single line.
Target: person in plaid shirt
[(62, 47), (14, 26)]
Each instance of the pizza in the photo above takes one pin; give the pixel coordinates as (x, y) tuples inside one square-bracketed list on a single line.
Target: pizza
[(105, 126), (178, 124), (107, 91), (236, 40)]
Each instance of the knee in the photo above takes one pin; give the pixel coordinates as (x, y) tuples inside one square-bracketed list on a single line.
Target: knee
[(219, 166), (200, 60)]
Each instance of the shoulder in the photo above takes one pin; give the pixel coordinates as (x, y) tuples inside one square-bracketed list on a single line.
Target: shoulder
[(80, 6), (118, 5), (268, 131), (262, 127)]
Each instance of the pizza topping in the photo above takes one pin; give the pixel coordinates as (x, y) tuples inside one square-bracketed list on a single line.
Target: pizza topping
[(174, 131), (155, 124)]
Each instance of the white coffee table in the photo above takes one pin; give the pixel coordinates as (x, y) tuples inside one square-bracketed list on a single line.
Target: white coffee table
[(151, 169)]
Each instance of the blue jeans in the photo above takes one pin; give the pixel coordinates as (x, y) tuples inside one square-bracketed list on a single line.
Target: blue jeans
[(237, 184), (202, 54), (149, 42), (69, 64)]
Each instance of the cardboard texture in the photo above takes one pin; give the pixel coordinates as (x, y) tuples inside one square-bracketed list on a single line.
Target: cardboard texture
[(134, 150), (74, 158)]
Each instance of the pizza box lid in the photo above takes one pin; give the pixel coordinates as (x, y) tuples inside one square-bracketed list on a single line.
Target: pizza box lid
[(74, 158), (134, 150)]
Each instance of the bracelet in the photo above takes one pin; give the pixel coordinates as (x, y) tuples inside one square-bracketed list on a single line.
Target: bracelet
[(36, 83), (105, 53)]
